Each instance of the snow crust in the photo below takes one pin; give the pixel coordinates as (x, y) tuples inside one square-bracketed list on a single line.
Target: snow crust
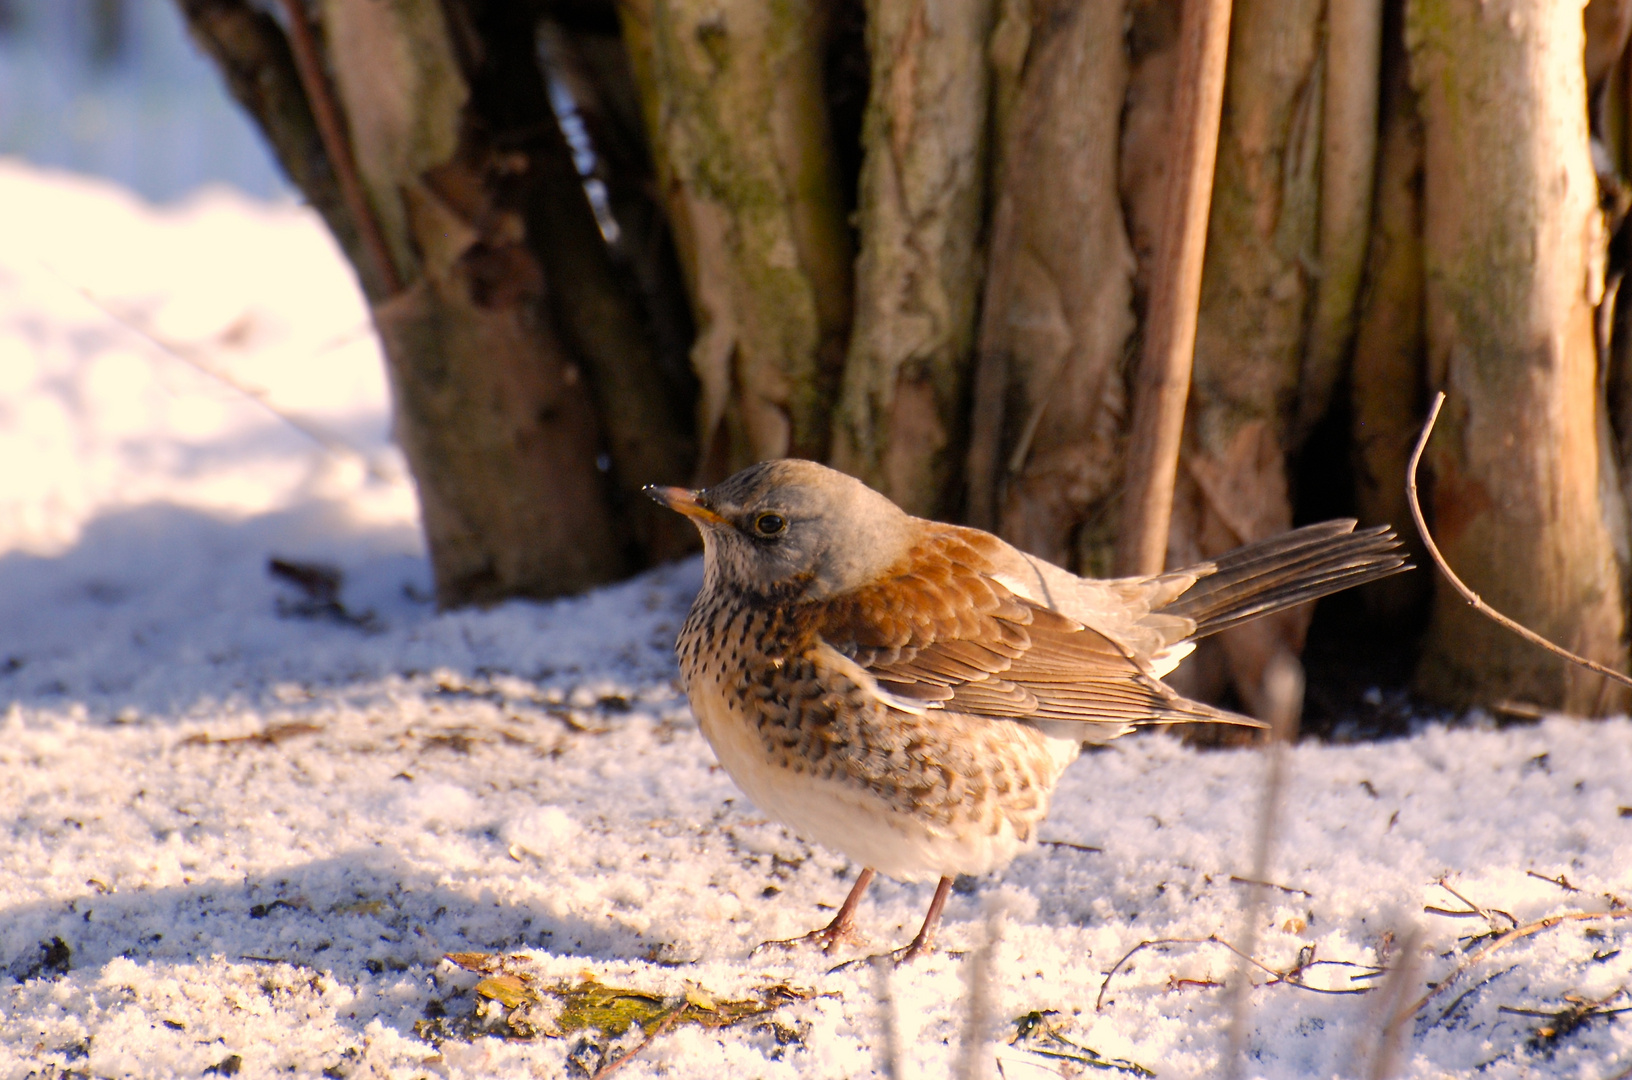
[(235, 840)]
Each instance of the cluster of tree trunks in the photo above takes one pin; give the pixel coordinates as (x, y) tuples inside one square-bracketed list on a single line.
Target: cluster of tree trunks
[(651, 241)]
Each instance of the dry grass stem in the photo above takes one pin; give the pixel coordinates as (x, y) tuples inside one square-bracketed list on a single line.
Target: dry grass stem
[(332, 442), (1561, 881), (890, 1051), (1289, 890), (1392, 1017), (1468, 594), (1469, 992), (981, 973), (1283, 698)]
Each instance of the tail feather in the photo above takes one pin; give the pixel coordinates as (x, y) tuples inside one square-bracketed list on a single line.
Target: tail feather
[(1286, 570)]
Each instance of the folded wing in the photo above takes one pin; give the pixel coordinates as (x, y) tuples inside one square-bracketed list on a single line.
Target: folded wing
[(949, 635)]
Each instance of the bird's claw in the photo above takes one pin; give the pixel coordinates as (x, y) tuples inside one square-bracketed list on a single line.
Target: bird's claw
[(897, 958), (828, 939)]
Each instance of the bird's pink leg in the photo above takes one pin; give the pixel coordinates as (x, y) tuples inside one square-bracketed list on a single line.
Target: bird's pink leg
[(843, 927), (925, 941)]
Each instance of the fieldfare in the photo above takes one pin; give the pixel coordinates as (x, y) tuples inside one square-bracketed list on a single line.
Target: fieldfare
[(908, 693)]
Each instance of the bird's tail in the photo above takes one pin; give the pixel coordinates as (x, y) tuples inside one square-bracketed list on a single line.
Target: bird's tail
[(1286, 570)]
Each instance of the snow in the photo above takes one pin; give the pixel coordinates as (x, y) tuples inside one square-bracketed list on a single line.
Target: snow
[(239, 840), (122, 91)]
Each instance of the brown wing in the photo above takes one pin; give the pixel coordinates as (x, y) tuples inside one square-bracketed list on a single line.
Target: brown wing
[(946, 633)]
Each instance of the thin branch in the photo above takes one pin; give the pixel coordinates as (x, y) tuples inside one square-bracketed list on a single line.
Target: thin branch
[(1162, 385), (1480, 910), (1286, 978), (336, 144), (1289, 890), (1099, 1002), (1069, 846), (1468, 594), (657, 1032), (330, 441), (1469, 992), (1515, 934), (1561, 881)]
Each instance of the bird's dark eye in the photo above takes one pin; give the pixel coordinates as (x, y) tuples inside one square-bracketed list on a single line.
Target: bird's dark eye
[(770, 524)]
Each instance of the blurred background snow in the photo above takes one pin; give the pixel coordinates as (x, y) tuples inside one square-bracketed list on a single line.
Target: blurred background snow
[(174, 326), (114, 88)]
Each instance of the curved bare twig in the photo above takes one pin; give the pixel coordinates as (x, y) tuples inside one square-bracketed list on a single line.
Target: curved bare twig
[(1468, 594)]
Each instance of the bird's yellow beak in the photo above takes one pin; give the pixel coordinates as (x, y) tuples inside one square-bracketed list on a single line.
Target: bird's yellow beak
[(685, 502)]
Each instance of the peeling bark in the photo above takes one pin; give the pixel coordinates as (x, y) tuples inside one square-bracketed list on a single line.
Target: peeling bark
[(495, 420), (1256, 287), (734, 103), (1046, 435), (898, 422), (1513, 246)]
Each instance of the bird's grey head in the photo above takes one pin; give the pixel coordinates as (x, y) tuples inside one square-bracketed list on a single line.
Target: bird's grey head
[(792, 525)]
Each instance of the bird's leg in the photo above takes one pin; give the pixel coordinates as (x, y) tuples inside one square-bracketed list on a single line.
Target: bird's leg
[(840, 930), (925, 941)]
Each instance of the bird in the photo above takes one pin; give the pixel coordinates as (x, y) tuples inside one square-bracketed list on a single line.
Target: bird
[(908, 692)]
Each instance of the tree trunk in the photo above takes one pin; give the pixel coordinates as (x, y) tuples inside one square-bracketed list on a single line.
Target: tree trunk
[(1051, 395), (1256, 287), (253, 55), (734, 103), (898, 422), (493, 411), (1387, 381), (1514, 247), (612, 326), (495, 419), (1348, 165)]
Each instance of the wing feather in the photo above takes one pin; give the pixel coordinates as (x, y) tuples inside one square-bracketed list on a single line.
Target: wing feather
[(948, 634)]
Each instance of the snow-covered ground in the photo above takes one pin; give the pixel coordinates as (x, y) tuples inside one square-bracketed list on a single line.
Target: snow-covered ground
[(242, 829), (117, 88)]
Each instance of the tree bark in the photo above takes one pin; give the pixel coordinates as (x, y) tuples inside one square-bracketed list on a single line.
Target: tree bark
[(898, 422), (1256, 287), (1513, 248), (734, 103), (595, 298), (253, 56), (1388, 387), (1051, 399), (1348, 166), (495, 420), (1607, 23)]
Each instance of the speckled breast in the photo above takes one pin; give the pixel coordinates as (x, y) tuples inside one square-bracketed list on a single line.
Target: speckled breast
[(913, 794)]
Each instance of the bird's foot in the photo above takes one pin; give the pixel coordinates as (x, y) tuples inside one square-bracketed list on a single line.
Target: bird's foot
[(841, 931), (828, 939), (901, 957), (923, 943)]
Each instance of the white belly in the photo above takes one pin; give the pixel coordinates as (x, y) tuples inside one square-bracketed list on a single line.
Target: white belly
[(854, 821)]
